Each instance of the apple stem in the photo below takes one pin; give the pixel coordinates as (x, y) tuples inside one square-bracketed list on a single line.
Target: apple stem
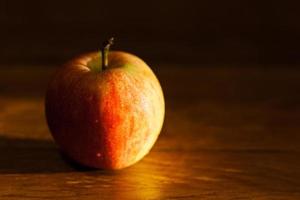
[(104, 52)]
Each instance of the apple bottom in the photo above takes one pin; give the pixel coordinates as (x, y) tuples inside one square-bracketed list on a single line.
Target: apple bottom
[(101, 152), (110, 132)]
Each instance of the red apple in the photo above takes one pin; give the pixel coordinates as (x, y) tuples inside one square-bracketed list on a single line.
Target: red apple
[(105, 110)]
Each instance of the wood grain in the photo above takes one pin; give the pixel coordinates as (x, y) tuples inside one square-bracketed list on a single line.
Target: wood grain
[(229, 133)]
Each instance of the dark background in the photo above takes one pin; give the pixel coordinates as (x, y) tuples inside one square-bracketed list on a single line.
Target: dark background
[(194, 32)]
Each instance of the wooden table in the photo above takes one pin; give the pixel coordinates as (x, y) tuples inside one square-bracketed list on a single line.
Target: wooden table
[(231, 132)]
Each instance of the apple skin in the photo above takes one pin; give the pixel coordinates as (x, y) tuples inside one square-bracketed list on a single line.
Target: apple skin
[(107, 119)]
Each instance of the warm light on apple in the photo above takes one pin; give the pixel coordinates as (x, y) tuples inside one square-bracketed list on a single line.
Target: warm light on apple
[(105, 110)]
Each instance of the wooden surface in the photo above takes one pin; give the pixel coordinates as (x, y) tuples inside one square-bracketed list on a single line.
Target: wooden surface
[(230, 132)]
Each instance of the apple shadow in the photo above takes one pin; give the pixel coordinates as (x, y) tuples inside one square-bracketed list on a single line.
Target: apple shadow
[(19, 155)]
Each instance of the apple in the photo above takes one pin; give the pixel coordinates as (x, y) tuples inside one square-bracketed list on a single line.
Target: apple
[(105, 109)]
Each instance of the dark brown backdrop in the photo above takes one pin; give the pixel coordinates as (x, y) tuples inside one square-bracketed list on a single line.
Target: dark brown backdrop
[(209, 31)]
